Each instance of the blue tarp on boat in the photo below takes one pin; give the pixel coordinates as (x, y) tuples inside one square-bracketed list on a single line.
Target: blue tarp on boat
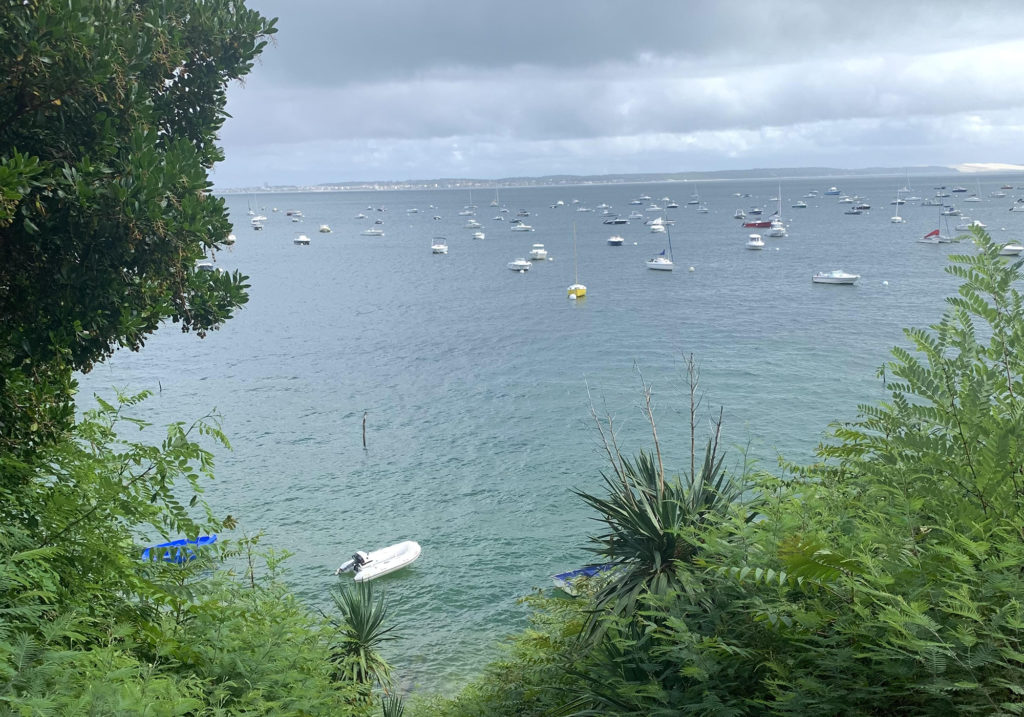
[(177, 551), (565, 580)]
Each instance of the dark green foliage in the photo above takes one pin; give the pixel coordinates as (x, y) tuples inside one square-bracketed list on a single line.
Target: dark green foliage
[(109, 113)]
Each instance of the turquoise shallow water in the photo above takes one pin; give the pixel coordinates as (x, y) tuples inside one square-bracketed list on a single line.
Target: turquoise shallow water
[(475, 379)]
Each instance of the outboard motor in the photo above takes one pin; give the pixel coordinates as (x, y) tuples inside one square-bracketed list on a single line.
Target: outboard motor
[(358, 560)]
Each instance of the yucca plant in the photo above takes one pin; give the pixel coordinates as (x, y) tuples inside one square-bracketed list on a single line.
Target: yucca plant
[(361, 632), (653, 523)]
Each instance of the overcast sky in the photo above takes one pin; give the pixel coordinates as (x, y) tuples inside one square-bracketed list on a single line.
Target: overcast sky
[(408, 89)]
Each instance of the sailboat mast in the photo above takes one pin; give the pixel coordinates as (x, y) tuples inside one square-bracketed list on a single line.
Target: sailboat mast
[(575, 263), (669, 233)]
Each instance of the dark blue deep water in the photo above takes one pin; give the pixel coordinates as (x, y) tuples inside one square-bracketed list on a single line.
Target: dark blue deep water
[(478, 382)]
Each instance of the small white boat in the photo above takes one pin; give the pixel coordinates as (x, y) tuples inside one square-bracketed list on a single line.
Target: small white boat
[(538, 252), (231, 239), (615, 241), (519, 265), (301, 239), (325, 229), (373, 232), (473, 224), (360, 215), (1011, 249), (836, 276), (755, 242), (657, 228), (439, 245), (478, 235), (739, 214), (520, 227), (799, 204), (368, 566)]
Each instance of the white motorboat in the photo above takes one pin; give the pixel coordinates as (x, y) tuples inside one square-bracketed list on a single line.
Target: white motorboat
[(230, 239), (519, 265), (520, 227), (799, 204), (368, 566), (373, 232), (478, 235), (836, 276), (1011, 249), (301, 239), (538, 252), (439, 245), (755, 242), (325, 229), (473, 224), (615, 240)]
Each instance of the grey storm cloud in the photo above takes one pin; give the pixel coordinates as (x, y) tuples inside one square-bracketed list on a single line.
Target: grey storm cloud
[(409, 88)]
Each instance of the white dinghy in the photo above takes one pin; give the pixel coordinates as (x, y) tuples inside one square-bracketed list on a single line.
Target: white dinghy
[(368, 566)]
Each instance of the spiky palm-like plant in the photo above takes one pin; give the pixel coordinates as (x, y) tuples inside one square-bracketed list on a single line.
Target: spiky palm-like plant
[(361, 632), (653, 523)]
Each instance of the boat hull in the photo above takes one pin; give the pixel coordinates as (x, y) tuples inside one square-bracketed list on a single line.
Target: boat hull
[(660, 265)]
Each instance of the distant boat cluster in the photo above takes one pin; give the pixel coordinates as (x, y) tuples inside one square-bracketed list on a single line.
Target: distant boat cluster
[(659, 216)]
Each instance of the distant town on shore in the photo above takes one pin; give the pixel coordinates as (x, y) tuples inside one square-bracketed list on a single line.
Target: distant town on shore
[(577, 180)]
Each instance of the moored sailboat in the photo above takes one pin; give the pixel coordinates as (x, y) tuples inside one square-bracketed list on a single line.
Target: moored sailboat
[(576, 290)]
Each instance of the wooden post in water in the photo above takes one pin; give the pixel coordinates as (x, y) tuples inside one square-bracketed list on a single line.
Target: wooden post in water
[(364, 429)]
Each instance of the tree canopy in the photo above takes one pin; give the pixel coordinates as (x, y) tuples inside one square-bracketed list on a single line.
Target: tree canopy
[(109, 113)]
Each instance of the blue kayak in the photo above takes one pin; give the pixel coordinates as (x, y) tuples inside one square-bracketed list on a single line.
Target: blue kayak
[(177, 551)]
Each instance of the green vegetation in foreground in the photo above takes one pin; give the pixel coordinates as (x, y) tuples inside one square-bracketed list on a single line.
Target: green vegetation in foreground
[(884, 580)]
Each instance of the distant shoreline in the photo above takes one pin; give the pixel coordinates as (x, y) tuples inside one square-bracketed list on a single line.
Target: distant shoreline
[(646, 178)]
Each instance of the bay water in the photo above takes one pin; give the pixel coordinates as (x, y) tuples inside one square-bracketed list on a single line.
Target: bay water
[(478, 384)]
